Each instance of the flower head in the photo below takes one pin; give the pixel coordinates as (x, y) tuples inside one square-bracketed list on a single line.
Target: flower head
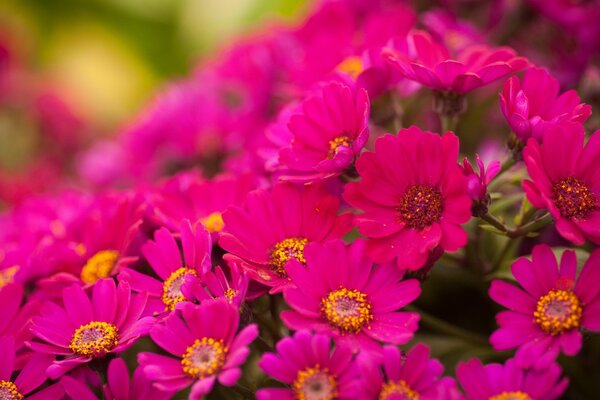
[(340, 293), (477, 182), (414, 197), (546, 316)]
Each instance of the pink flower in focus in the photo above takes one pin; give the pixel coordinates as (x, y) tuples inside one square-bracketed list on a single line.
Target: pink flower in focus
[(547, 317), (328, 134), (565, 180), (206, 347), (340, 293), (311, 368), (534, 105), (413, 196), (509, 381)]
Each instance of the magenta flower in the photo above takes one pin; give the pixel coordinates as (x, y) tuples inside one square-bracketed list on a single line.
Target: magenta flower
[(340, 293), (509, 381), (534, 105), (565, 179), (217, 284), (414, 197), (171, 265), (206, 347), (276, 225), (477, 182), (548, 315), (15, 317), (32, 375), (312, 370), (328, 134), (433, 66), (82, 330), (410, 376)]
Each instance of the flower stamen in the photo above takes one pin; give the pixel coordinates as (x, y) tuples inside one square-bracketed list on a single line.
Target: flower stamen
[(347, 310), (99, 266), (205, 357), (9, 391), (573, 198), (335, 144), (518, 395), (558, 311), (421, 205), (315, 384), (94, 339), (285, 250), (172, 287), (397, 390)]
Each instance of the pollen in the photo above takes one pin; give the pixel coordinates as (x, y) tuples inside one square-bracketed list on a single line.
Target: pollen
[(94, 339), (204, 358), (7, 275), (397, 390), (315, 384), (8, 391), (352, 66), (573, 198), (347, 310), (99, 266), (335, 144), (511, 396), (421, 205), (284, 251), (172, 287), (558, 311), (231, 293), (213, 222)]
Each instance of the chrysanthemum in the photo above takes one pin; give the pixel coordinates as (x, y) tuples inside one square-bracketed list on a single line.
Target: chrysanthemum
[(32, 375), (311, 368), (276, 225), (565, 180), (82, 330), (548, 315), (414, 197), (171, 265), (534, 105), (509, 381), (340, 293), (328, 134), (206, 347), (410, 376)]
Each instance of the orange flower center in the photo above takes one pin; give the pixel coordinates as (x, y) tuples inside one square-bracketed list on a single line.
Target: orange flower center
[(511, 396), (335, 144), (94, 339), (347, 310), (558, 311), (99, 266), (315, 384), (204, 358), (284, 251), (8, 391), (172, 287), (397, 391)]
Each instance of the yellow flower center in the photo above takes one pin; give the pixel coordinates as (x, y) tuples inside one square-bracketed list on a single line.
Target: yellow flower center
[(94, 339), (204, 358), (558, 311), (511, 396), (172, 287), (231, 293), (7, 275), (421, 205), (213, 222), (8, 391), (352, 66), (315, 384), (347, 310), (335, 144), (99, 266), (285, 250), (573, 198), (397, 391)]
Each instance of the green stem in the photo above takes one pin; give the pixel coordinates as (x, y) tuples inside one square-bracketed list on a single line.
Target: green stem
[(532, 226), (495, 222), (449, 122)]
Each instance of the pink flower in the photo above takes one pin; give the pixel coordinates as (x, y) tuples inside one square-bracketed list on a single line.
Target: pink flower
[(406, 376), (565, 180), (217, 284), (206, 347), (15, 317), (548, 315), (312, 370), (534, 105), (414, 197), (509, 381), (82, 330), (328, 134), (340, 293), (275, 225), (433, 66), (171, 265), (477, 183)]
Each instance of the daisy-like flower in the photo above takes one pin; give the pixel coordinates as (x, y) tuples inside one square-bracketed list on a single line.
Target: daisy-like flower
[(328, 134), (565, 180), (509, 381), (83, 330), (32, 375), (311, 368), (414, 197), (15, 317), (533, 105), (433, 65), (410, 376), (548, 315), (340, 293), (206, 347), (167, 262), (276, 225)]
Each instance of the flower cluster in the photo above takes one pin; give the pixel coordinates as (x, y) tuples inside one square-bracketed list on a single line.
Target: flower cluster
[(292, 222)]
